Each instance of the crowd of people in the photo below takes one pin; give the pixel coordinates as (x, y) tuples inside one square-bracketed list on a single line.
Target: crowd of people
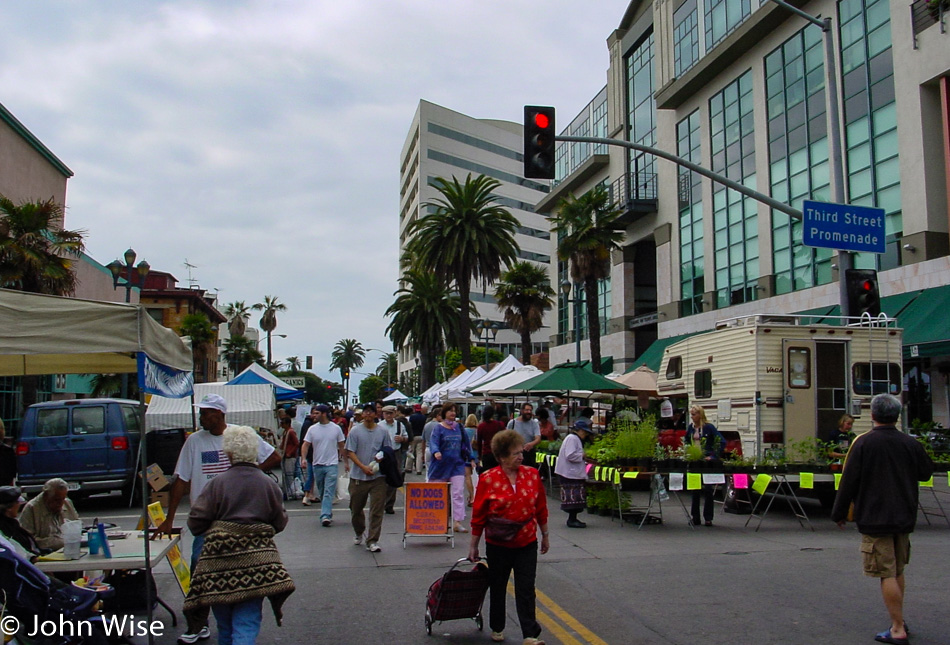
[(236, 508)]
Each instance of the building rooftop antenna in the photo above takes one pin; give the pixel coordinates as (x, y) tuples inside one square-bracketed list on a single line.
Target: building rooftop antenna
[(192, 281)]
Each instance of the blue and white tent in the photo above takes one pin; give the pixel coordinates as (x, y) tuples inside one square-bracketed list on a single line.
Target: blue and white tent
[(255, 375)]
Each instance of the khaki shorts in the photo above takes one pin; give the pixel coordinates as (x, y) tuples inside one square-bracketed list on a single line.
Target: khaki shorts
[(885, 555)]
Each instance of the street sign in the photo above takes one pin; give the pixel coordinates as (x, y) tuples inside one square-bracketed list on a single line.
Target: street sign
[(843, 227), (295, 381)]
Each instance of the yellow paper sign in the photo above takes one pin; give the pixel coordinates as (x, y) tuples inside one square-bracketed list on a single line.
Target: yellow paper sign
[(761, 483), (837, 480), (597, 473), (616, 476), (806, 480), (631, 474), (178, 564), (928, 484), (694, 481)]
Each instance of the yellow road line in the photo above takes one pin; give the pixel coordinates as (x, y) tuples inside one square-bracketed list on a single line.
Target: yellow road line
[(569, 620), (551, 625)]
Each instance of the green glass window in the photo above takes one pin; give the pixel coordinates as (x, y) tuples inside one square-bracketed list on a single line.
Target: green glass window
[(685, 37), (692, 284), (641, 108)]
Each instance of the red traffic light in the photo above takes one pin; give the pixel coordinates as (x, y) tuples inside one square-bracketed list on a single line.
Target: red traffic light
[(867, 285), (541, 120)]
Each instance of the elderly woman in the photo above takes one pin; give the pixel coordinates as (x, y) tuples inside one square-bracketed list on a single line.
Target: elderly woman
[(44, 515), (572, 472), (239, 512), (10, 502), (510, 506)]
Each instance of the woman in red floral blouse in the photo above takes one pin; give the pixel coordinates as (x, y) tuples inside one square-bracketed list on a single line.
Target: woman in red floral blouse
[(510, 506)]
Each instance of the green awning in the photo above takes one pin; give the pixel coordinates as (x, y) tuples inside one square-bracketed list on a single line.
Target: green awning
[(653, 356), (925, 324)]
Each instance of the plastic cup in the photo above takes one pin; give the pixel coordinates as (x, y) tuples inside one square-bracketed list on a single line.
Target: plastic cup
[(93, 542)]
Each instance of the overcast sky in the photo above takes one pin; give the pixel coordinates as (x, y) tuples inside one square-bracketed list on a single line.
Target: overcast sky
[(261, 140)]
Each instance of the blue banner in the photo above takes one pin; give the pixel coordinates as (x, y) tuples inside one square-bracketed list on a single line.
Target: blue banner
[(155, 378), (843, 227)]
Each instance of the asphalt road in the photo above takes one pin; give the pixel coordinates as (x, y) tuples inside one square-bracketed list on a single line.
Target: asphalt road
[(666, 584)]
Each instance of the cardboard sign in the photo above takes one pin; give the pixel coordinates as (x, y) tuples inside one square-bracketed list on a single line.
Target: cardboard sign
[(428, 506), (179, 566)]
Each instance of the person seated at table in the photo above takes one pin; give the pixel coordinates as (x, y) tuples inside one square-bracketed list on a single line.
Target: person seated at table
[(11, 500), (44, 515)]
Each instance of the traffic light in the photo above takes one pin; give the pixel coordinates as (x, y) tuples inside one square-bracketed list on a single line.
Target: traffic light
[(346, 374), (310, 362), (863, 295), (538, 142)]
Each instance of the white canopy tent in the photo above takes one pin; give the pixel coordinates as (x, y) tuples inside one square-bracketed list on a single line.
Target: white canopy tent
[(395, 396), (506, 381), (509, 364), (432, 394), (249, 405), (455, 389)]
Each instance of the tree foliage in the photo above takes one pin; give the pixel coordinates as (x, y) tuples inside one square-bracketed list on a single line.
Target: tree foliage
[(524, 294), (372, 388)]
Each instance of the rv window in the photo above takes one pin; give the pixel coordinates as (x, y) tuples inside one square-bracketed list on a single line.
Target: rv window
[(702, 384), (674, 369), (876, 378), (799, 367)]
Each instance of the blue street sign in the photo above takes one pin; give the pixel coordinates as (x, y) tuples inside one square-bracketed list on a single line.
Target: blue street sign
[(843, 227)]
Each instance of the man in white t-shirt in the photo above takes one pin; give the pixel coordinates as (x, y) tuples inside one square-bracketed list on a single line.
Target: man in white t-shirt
[(201, 460), (325, 440)]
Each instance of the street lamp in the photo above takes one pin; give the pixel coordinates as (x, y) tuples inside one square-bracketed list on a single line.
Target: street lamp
[(576, 301), (130, 279), (386, 356), (261, 340), (487, 327)]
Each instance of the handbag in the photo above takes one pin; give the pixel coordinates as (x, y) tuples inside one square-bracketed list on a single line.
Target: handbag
[(502, 529)]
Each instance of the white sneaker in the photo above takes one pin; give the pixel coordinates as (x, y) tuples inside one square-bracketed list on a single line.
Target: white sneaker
[(373, 547), (203, 634), (358, 540), (498, 636)]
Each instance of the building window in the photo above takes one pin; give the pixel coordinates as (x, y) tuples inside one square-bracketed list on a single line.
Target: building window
[(685, 37), (735, 219), (798, 154), (722, 16), (870, 116), (641, 109), (692, 284), (590, 122)]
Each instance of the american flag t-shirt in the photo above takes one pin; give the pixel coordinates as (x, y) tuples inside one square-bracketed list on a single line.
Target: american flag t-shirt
[(214, 462)]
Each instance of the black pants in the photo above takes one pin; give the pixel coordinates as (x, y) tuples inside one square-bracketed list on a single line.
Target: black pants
[(524, 562), (707, 494), (488, 462)]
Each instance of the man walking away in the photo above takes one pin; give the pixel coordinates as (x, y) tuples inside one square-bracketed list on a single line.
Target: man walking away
[(417, 421), (881, 478)]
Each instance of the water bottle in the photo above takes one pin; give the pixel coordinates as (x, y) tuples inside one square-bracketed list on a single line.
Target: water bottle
[(93, 537)]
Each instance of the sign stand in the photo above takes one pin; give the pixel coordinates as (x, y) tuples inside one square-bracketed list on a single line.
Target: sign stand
[(429, 511)]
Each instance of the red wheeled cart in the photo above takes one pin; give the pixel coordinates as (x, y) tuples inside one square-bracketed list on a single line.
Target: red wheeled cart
[(458, 594)]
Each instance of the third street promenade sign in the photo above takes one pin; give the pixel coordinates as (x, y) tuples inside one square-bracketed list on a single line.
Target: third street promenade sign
[(843, 227)]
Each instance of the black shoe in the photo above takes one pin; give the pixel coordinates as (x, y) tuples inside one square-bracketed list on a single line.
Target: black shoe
[(708, 522), (576, 524), (390, 511)]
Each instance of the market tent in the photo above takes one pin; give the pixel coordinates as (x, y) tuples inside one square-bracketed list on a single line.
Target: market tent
[(641, 379), (432, 394), (456, 387), (42, 334), (502, 384), (396, 396), (566, 377), (255, 374), (509, 364), (249, 405)]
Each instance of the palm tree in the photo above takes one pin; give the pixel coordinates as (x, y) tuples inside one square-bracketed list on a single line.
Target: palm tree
[(293, 363), (240, 351), (524, 294), (388, 366), (468, 237), (423, 316), (346, 355), (588, 231), (198, 328), (237, 313), (270, 306), (35, 256)]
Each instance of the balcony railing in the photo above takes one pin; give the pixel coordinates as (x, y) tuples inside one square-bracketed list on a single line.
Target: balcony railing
[(635, 193), (927, 13)]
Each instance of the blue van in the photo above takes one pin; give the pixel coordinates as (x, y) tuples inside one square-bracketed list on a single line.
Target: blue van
[(91, 443)]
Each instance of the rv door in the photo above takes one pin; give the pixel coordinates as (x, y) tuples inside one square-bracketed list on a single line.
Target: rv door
[(799, 389)]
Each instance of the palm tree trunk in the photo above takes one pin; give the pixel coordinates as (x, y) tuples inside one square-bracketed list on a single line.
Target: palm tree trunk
[(593, 323), (465, 324), (268, 351), (426, 369), (525, 347)]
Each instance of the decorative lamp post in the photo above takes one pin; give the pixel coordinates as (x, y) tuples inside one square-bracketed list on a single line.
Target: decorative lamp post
[(487, 328), (575, 301), (130, 278)]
